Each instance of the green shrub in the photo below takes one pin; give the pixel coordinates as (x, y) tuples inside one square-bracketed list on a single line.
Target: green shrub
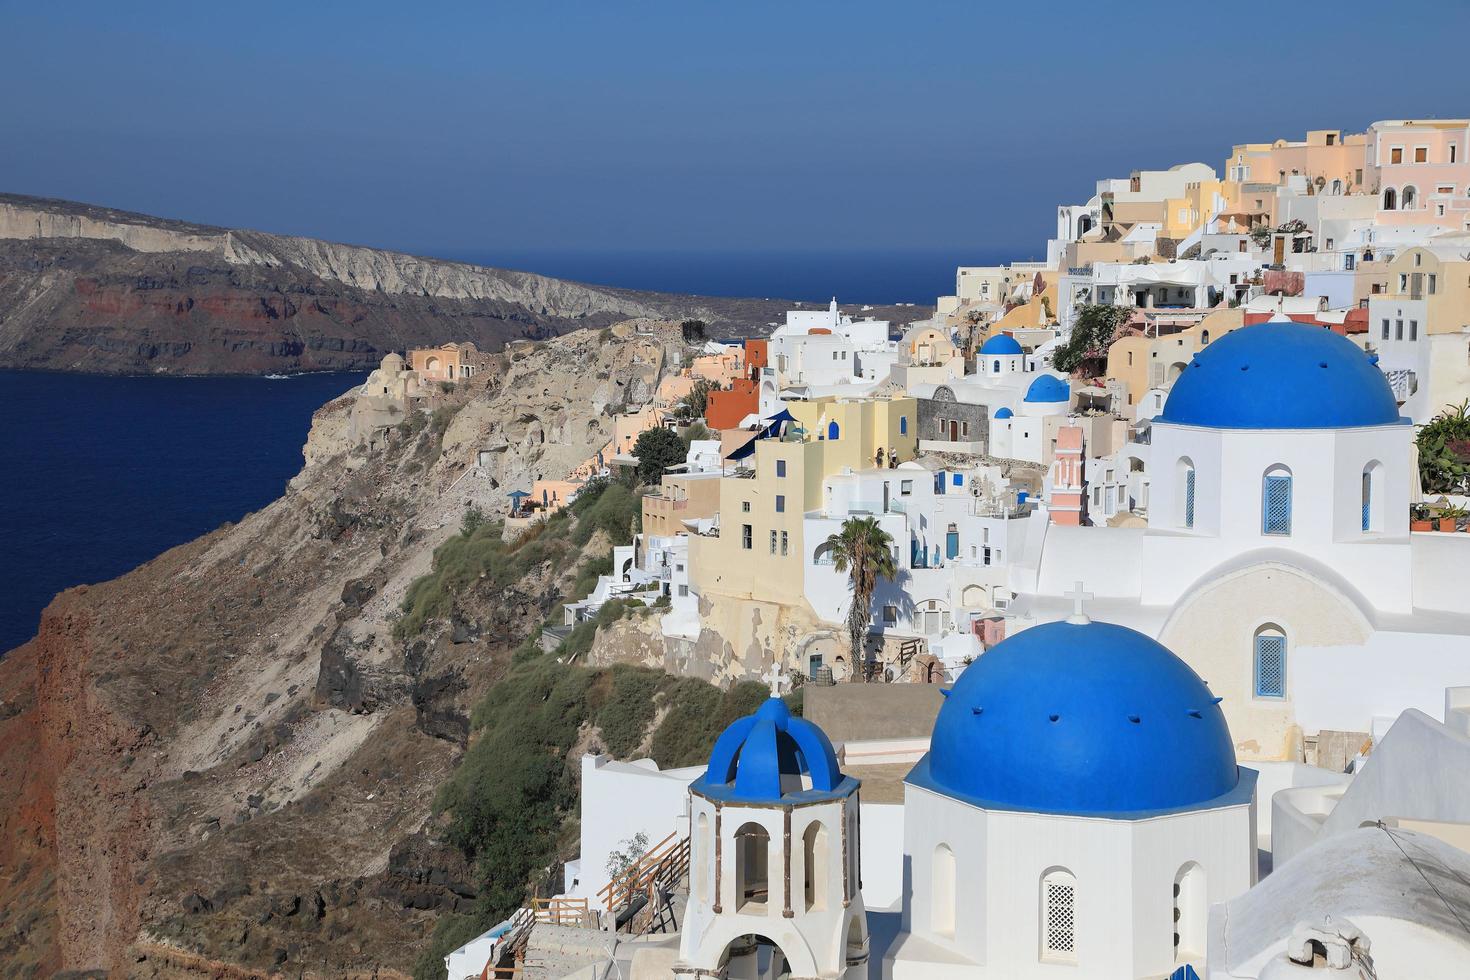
[(413, 423), (441, 419), (698, 713), (588, 574), (622, 706), (473, 520), (615, 510)]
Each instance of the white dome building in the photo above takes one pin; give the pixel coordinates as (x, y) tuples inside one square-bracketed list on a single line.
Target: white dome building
[(1079, 810), (774, 870)]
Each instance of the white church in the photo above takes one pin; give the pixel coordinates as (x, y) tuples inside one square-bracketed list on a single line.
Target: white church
[(1277, 559), (1079, 806)]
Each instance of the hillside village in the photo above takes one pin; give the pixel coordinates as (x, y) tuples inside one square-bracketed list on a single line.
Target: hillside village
[(1140, 566)]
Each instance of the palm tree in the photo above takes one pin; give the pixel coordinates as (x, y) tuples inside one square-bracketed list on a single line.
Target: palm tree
[(865, 551)]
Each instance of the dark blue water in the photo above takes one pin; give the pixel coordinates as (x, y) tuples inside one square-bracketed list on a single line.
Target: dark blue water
[(914, 276), (105, 473)]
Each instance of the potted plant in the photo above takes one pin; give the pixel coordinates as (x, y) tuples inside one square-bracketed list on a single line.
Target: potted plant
[(1449, 517), (1419, 518)]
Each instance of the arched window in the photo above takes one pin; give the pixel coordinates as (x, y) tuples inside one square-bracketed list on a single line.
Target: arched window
[(1270, 662), (1204, 338), (752, 867), (1390, 199), (1373, 497), (703, 854), (995, 368), (1191, 909), (903, 425), (941, 892), (814, 866), (1408, 199), (1337, 186), (1059, 916), (832, 430), (1276, 501), (1186, 492)]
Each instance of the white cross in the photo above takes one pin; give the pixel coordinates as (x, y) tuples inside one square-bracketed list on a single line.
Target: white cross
[(775, 677), (1079, 615)]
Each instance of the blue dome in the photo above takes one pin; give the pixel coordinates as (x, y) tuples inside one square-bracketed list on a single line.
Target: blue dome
[(1281, 375), (1001, 344), (1087, 718), (1048, 388), (1004, 413), (761, 758)]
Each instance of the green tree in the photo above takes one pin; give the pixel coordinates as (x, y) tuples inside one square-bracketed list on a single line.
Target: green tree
[(864, 551), (657, 449), (1092, 333), (1444, 451), (694, 404)]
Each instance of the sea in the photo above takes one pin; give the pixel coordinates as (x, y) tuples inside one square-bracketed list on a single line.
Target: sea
[(104, 473), (101, 473)]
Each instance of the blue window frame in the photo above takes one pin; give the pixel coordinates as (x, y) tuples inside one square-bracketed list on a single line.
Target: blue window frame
[(832, 431), (1189, 497), (1270, 665), (781, 467), (780, 503), (1367, 501), (903, 425), (952, 543), (1276, 505), (958, 480)]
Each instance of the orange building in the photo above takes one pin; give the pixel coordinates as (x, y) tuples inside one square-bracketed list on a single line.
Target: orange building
[(449, 362), (757, 356), (725, 408)]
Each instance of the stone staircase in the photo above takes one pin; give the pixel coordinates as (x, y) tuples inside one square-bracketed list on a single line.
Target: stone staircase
[(555, 952)]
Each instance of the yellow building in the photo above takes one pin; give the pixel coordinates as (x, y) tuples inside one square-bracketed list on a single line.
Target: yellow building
[(758, 552)]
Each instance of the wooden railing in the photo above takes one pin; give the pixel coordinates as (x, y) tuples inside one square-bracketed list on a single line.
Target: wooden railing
[(561, 912), (662, 865)]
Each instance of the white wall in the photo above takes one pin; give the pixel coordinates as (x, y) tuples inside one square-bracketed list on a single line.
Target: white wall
[(620, 799)]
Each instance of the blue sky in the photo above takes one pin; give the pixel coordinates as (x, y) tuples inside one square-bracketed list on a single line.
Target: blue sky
[(859, 125)]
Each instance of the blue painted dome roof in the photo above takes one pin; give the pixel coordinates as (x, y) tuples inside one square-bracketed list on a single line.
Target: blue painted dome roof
[(1004, 413), (1001, 344), (761, 758), (1281, 375), (1087, 718), (1048, 388)]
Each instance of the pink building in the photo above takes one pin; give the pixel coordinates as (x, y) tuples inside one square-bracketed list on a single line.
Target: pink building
[(1421, 173), (1068, 501)]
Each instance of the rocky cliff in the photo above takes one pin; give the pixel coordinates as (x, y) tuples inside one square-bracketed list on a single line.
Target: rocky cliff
[(222, 764), (85, 288)]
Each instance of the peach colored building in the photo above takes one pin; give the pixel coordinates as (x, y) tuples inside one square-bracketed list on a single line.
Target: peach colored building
[(1420, 171), (720, 368), (1337, 159), (448, 362), (680, 497)]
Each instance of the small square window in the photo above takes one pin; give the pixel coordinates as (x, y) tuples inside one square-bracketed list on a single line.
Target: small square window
[(1421, 154), (745, 506), (1396, 155), (890, 615), (906, 488)]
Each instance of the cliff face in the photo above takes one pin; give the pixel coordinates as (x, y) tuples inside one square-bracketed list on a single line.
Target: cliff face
[(223, 763), (84, 288)]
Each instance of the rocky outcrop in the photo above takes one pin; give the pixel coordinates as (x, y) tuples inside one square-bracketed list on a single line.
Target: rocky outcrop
[(85, 288), (223, 763)]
